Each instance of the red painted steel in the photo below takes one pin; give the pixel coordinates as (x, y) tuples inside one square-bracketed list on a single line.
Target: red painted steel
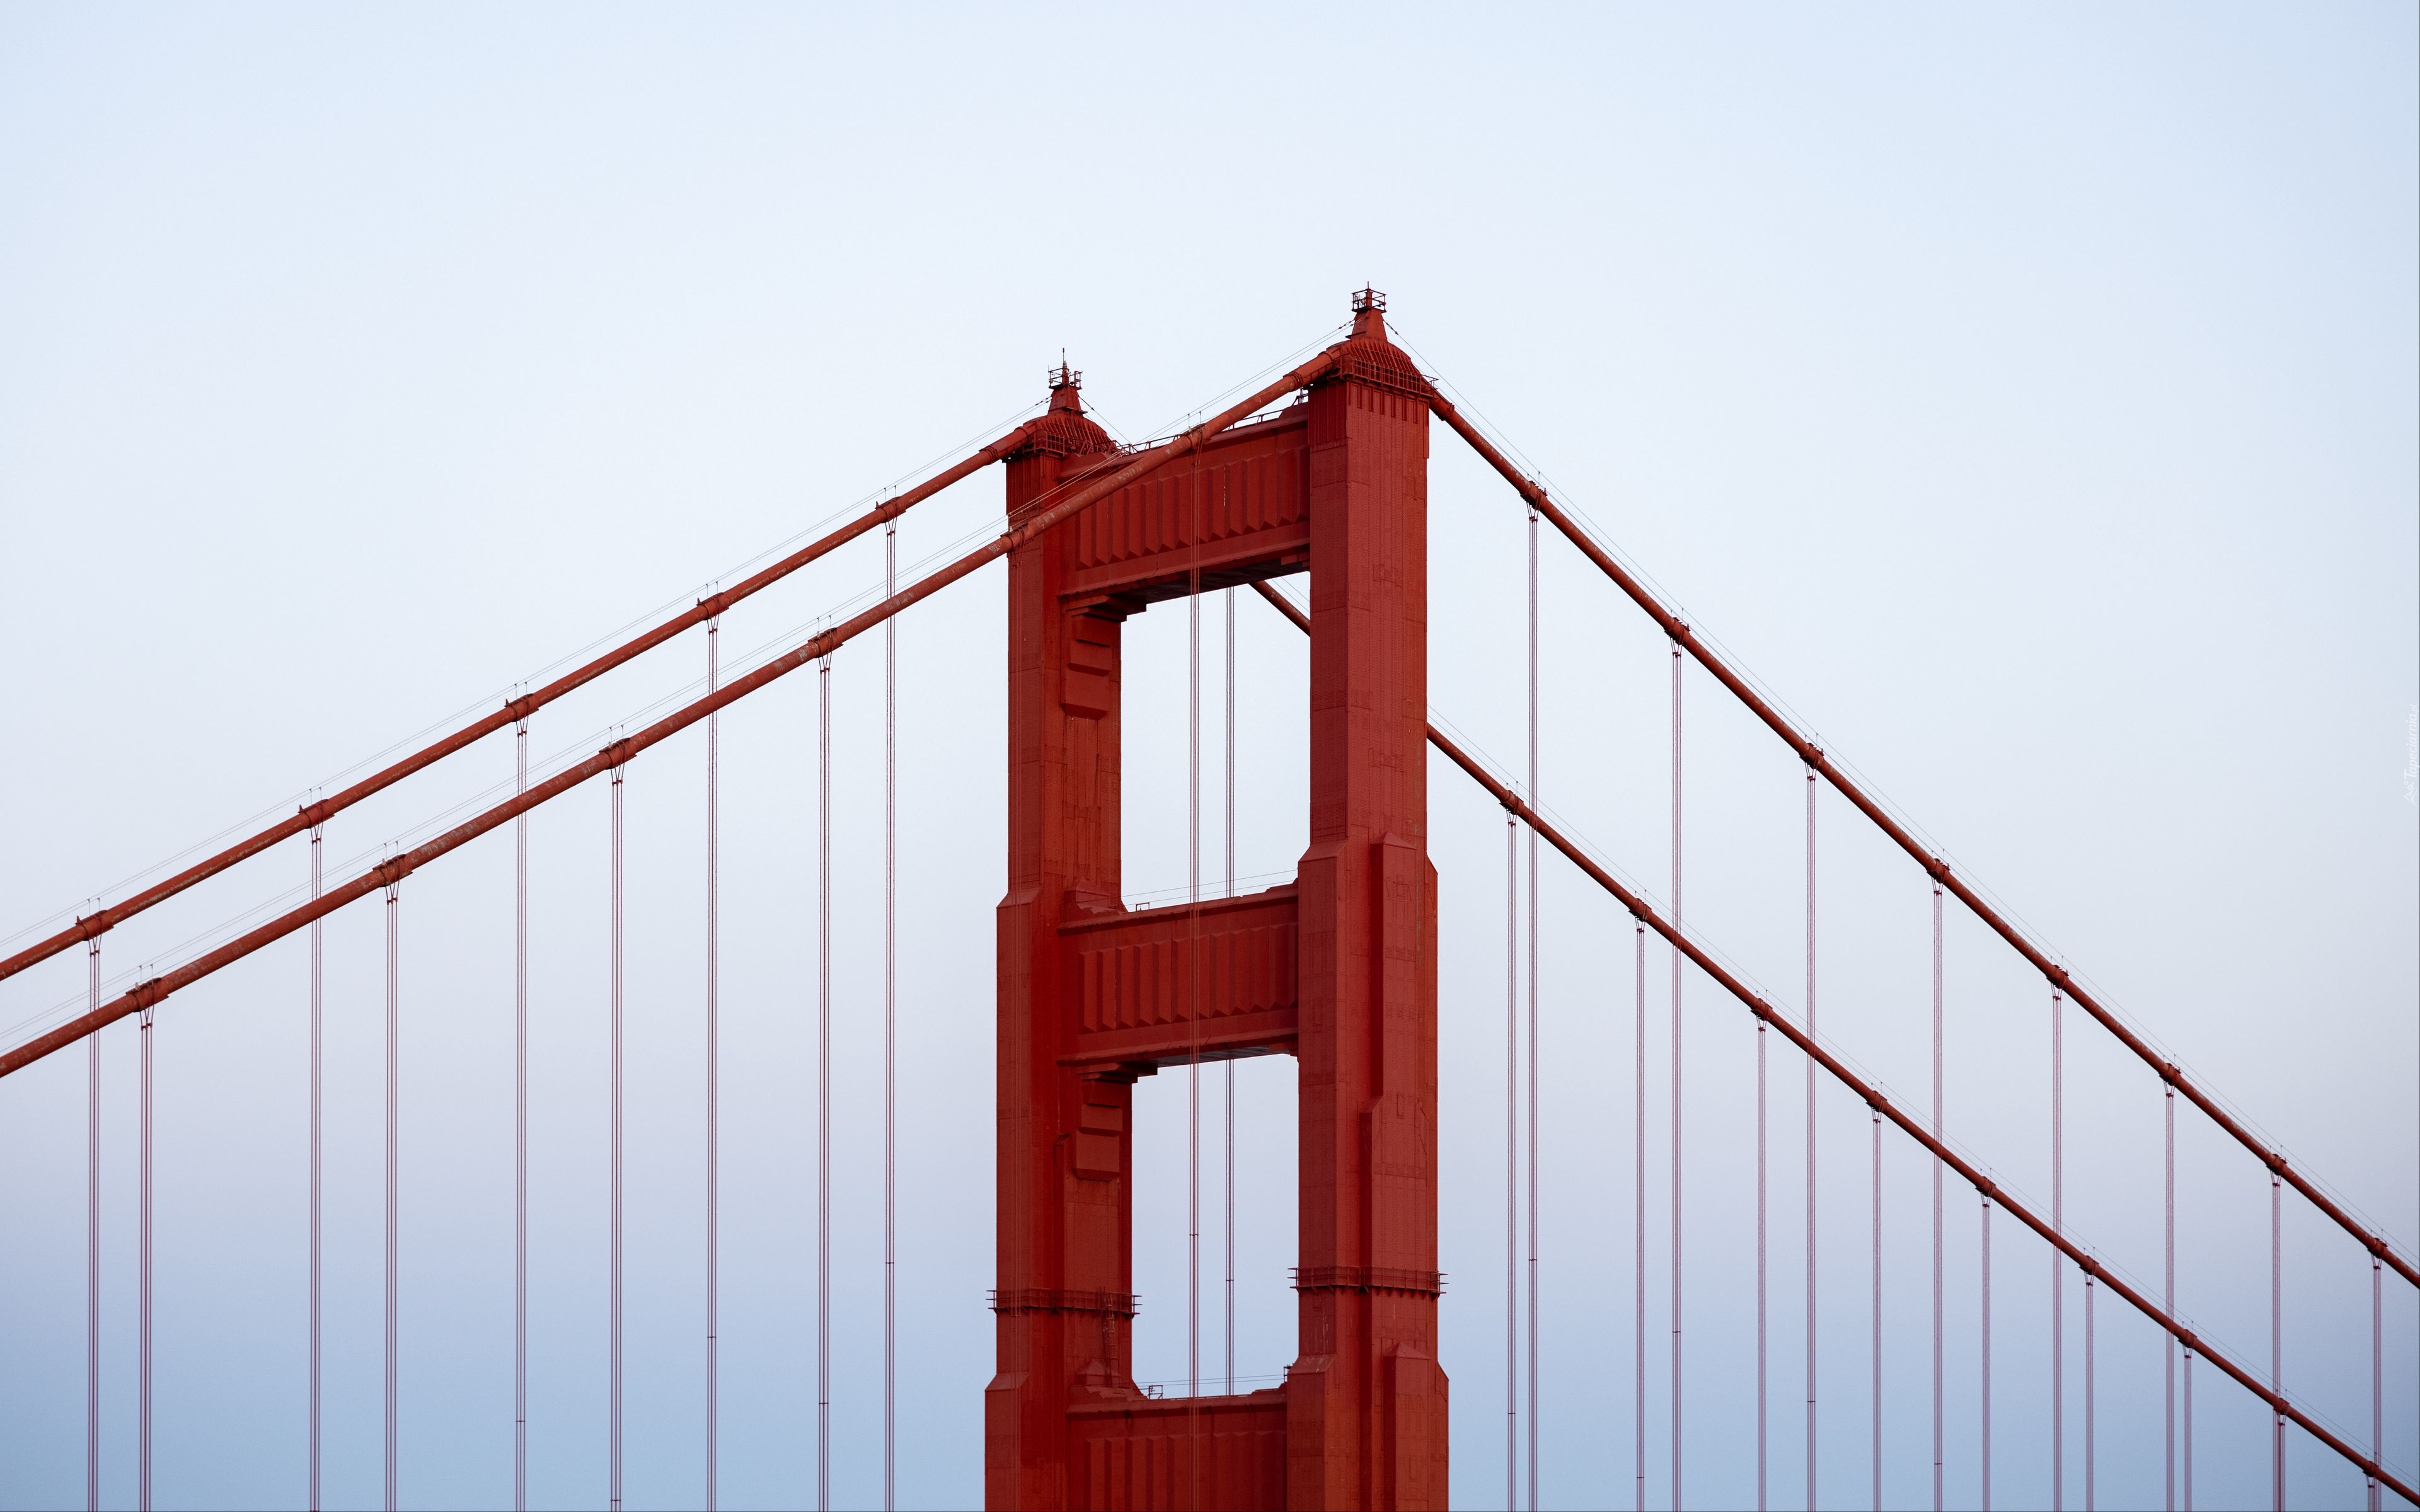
[(1150, 987), (1812, 754), (1135, 1453), (1366, 1420), (1092, 997), (1063, 1304), (1238, 510), (312, 815)]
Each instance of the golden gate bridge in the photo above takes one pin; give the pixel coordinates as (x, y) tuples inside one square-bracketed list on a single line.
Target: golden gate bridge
[(1319, 472)]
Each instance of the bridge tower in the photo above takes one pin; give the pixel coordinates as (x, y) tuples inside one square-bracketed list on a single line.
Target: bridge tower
[(1337, 967)]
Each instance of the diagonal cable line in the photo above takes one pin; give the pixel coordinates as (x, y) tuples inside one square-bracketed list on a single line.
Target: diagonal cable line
[(1910, 839)]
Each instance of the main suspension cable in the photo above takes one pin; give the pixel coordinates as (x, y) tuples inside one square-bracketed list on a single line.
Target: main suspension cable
[(389, 874), (814, 648), (1912, 1126), (713, 1070), (2164, 1315), (517, 708), (1934, 865)]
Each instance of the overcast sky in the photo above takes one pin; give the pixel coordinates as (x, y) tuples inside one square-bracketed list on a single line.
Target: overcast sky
[(2026, 397)]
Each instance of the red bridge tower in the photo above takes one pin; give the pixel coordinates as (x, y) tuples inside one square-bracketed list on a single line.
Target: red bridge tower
[(1338, 967)]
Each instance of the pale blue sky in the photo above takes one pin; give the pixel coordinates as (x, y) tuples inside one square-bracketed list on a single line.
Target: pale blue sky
[(2027, 397)]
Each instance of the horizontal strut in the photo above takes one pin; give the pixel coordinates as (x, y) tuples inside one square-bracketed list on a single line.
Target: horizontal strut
[(1872, 1097), (1812, 754), (517, 709), (148, 993)]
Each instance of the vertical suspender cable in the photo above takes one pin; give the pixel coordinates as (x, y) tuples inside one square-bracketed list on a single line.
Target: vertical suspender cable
[(317, 1187), (2090, 1461), (889, 1025), (614, 1243), (1936, 1198), (394, 1095), (92, 1245), (2277, 1337), (1512, 1167), (1761, 1388), (1533, 1016), (521, 1126), (1810, 1142), (1638, 1219), (2377, 1371), (143, 1298), (1194, 1018), (2168, 1293), (1228, 1230), (1877, 1314), (823, 1086), (2188, 1447), (2188, 1415), (1987, 1353), (714, 1068), (1676, 1079), (1192, 994), (2058, 1261)]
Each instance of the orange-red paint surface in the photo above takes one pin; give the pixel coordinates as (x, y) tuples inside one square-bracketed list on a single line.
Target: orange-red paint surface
[(1338, 968)]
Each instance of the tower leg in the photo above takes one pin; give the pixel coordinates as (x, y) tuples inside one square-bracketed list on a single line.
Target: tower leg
[(1366, 1401)]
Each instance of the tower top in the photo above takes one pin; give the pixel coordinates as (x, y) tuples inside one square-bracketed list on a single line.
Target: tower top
[(1065, 382), (1064, 429), (1370, 313), (1368, 356)]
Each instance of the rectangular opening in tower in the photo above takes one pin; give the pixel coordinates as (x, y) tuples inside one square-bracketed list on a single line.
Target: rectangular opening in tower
[(1264, 1213), (1272, 747)]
